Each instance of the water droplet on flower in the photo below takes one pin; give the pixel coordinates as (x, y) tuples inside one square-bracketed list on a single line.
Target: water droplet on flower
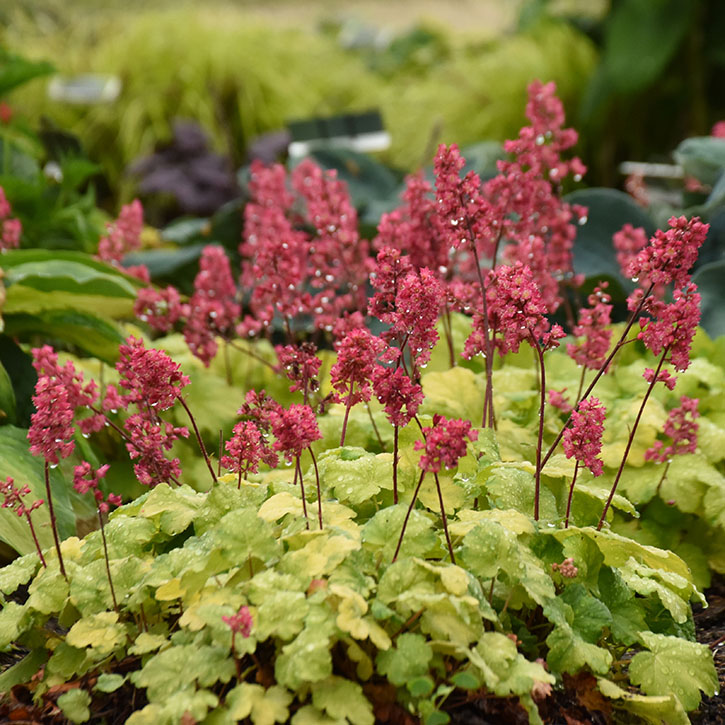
[(583, 220), (635, 279), (577, 177), (540, 140), (329, 278)]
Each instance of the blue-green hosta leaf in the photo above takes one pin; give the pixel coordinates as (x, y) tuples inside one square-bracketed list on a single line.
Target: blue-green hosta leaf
[(341, 698), (504, 670), (265, 707), (74, 705), (410, 658), (674, 666)]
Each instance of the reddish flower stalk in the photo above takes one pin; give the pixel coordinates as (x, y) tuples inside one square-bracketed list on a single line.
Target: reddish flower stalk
[(444, 444), (14, 500), (296, 429), (86, 479), (239, 623), (583, 440), (53, 521), (352, 372), (245, 449)]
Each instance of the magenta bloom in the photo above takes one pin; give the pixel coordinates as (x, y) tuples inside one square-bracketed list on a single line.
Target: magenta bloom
[(515, 309), (295, 430), (300, 364), (583, 438), (351, 374), (10, 228), (671, 254), (557, 399), (161, 309), (148, 439), (681, 427), (241, 622), (13, 497), (245, 449), (51, 426), (594, 328), (151, 376), (86, 478), (673, 327), (398, 393), (124, 234), (212, 308), (445, 443), (390, 268), (628, 242)]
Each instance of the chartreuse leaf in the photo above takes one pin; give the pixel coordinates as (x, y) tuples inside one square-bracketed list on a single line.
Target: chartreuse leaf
[(628, 618), (454, 393), (306, 659), (353, 475), (656, 709), (169, 671), (265, 707), (74, 704), (341, 698), (590, 614), (24, 670), (352, 617), (504, 670), (14, 620), (674, 666), (320, 555), (147, 642), (186, 704), (18, 572), (109, 682), (310, 715), (410, 658), (172, 509), (242, 533), (48, 591), (383, 530), (101, 632)]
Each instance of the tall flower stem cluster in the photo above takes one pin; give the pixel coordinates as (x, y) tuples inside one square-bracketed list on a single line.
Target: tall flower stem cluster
[(444, 444)]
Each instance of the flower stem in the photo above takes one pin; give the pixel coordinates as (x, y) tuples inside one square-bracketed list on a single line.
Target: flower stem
[(108, 565), (444, 520), (298, 475), (53, 522), (540, 439), (571, 495), (375, 427), (631, 437), (35, 539), (395, 463), (319, 492), (202, 448), (347, 414), (620, 343), (407, 515)]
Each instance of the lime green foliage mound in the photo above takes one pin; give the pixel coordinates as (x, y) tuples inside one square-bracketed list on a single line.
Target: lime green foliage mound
[(239, 81)]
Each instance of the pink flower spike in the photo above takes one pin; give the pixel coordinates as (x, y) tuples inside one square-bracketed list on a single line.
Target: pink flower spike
[(395, 390), (670, 255), (628, 242), (151, 376), (445, 443), (241, 622), (352, 372), (300, 364), (245, 449), (593, 326), (681, 427), (295, 429), (161, 309), (583, 438), (673, 327), (557, 399), (51, 426)]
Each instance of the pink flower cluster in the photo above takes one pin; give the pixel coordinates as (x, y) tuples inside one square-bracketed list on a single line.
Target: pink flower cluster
[(86, 478), (124, 236), (13, 498), (301, 365), (593, 326), (10, 227), (213, 309), (516, 312), (583, 438), (681, 427), (400, 396), (161, 309), (445, 443), (241, 622), (352, 372), (295, 430)]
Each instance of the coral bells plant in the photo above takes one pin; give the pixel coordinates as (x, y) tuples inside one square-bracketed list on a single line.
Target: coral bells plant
[(478, 593), (10, 227)]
